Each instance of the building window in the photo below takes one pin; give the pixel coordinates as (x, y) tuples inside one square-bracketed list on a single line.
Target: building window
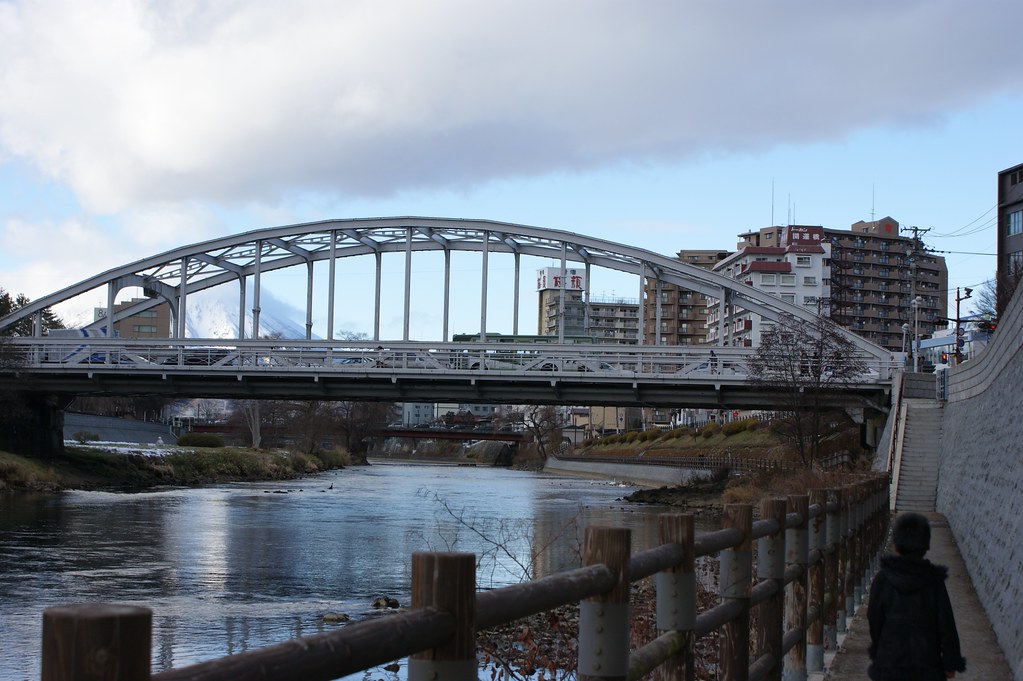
[(1016, 222), (788, 297), (802, 261), (768, 279), (809, 281), (143, 328), (1015, 262), (788, 280)]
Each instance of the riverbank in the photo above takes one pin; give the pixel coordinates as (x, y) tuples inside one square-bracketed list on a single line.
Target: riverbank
[(131, 467)]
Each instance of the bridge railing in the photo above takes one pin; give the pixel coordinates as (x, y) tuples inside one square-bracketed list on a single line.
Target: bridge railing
[(663, 362), (815, 554)]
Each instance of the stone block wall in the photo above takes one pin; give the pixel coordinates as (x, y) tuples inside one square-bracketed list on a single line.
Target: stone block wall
[(980, 482)]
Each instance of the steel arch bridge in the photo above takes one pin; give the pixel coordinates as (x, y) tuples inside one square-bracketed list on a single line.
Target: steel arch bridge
[(242, 260)]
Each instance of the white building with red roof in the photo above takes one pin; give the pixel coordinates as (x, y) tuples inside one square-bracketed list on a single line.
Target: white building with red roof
[(798, 271)]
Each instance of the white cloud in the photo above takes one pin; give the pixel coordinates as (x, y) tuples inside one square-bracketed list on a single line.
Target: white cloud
[(131, 102)]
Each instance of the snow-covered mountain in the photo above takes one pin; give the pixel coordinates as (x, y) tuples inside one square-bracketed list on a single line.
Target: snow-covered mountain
[(214, 314)]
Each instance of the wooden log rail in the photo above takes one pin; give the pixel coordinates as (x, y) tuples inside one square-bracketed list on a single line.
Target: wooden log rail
[(815, 556)]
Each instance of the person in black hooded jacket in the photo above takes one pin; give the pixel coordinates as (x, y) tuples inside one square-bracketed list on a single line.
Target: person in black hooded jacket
[(913, 633)]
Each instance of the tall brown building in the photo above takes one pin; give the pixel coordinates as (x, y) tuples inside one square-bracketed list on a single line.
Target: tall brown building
[(885, 286), (152, 323), (683, 318)]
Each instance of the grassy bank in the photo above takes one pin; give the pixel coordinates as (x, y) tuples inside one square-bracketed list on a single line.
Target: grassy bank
[(745, 439), (96, 467)]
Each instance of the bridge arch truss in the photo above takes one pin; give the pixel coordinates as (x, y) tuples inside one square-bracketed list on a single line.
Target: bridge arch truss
[(243, 259)]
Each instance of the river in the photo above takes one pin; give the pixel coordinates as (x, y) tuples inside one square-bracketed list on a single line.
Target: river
[(235, 567)]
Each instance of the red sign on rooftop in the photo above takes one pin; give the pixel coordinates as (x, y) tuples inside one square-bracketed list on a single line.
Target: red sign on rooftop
[(795, 235)]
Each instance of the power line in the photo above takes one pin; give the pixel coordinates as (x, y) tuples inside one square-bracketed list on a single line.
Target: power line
[(985, 225)]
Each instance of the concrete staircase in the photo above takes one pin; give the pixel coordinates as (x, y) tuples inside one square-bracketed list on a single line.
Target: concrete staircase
[(918, 467)]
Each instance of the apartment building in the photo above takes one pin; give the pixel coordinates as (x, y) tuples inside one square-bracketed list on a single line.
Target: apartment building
[(152, 323), (683, 313), (884, 286), (605, 319), (796, 270), (1010, 233)]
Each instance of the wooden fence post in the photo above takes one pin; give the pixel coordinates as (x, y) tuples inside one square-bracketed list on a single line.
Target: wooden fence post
[(604, 619), (833, 531), (447, 582), (734, 583), (815, 588), (101, 641), (771, 565), (844, 496), (796, 553), (676, 595), (853, 589)]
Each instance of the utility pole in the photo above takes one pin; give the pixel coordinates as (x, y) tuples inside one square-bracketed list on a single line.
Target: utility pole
[(959, 329), (914, 260)]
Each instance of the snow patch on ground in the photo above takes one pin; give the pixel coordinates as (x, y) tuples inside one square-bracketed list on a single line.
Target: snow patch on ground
[(134, 448)]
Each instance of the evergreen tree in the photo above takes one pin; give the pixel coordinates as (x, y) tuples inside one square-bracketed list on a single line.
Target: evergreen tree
[(10, 304)]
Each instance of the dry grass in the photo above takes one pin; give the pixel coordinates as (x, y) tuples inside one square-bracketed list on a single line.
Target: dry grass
[(754, 487)]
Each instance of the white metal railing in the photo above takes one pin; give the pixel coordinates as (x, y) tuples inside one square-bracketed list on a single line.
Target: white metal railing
[(667, 362)]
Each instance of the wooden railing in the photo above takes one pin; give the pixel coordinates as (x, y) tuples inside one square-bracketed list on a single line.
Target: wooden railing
[(815, 555)]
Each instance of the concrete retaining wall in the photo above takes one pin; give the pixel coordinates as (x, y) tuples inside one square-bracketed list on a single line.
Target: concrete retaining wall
[(644, 475), (980, 482), (111, 429)]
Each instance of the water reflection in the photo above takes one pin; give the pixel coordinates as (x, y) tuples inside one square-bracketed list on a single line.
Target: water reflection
[(237, 567)]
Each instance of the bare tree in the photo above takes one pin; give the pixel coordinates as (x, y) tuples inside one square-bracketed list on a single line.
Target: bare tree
[(802, 363), (249, 411), (985, 300), (544, 422), (359, 422)]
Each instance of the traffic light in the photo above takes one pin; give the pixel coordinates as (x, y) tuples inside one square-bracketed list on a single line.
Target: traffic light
[(944, 358), (987, 325)]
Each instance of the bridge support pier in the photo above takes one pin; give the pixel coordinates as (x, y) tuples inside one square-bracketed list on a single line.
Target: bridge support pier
[(32, 425)]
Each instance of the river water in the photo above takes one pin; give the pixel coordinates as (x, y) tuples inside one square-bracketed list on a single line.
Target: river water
[(236, 567)]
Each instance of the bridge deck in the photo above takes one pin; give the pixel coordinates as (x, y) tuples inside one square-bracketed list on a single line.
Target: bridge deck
[(984, 657)]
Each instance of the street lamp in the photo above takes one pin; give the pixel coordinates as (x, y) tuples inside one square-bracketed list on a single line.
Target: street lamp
[(905, 331), (917, 302)]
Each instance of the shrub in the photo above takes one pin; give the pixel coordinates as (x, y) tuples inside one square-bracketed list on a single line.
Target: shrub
[(201, 440), (334, 458), (632, 436), (650, 434), (681, 431), (709, 430), (81, 437), (733, 427)]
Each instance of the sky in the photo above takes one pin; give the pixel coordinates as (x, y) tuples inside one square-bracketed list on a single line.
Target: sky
[(132, 127)]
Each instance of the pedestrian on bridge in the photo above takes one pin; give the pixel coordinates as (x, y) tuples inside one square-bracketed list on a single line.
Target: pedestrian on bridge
[(913, 634)]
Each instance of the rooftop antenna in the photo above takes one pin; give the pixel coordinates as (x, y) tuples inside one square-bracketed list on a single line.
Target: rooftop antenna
[(871, 202), (772, 201)]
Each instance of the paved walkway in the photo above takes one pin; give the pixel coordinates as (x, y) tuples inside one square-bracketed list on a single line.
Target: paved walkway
[(984, 658)]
